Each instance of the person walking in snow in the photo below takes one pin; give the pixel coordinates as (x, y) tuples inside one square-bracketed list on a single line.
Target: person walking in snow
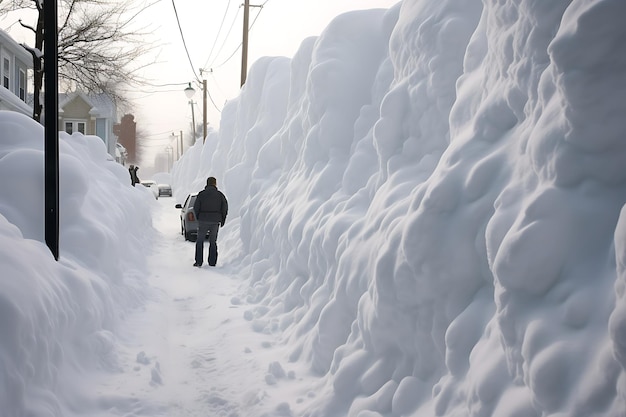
[(211, 209), (134, 179)]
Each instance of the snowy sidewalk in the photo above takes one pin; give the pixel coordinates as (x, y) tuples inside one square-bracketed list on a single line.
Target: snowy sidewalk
[(189, 351)]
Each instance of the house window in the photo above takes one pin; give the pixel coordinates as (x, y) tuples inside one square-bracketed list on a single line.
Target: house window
[(75, 126), (6, 72), (22, 86)]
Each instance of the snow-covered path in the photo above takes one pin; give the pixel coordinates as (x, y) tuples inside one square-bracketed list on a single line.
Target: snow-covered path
[(189, 351)]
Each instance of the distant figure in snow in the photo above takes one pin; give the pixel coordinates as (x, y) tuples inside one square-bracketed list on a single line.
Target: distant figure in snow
[(134, 179), (211, 209)]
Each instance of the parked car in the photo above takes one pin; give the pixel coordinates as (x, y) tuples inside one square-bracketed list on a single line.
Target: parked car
[(152, 185), (165, 190), (188, 221)]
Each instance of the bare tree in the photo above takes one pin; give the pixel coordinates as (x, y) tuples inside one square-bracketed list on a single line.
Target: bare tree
[(100, 43)]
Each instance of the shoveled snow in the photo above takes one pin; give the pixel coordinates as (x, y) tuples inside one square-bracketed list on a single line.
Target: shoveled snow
[(425, 219)]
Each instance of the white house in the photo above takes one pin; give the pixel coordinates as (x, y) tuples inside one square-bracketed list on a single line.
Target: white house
[(15, 62)]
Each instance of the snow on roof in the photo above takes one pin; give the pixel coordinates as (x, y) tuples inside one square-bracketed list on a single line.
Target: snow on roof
[(7, 41), (101, 104)]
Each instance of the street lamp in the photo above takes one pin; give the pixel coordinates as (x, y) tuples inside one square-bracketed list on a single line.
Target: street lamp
[(189, 92)]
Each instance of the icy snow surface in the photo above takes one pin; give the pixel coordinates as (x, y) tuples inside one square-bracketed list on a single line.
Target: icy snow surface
[(425, 220)]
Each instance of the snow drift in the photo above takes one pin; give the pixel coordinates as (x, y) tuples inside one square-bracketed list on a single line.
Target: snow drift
[(428, 203), (57, 319)]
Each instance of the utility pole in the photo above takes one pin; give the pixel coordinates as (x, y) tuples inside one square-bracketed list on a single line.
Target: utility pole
[(181, 144), (51, 130), (244, 48), (203, 111)]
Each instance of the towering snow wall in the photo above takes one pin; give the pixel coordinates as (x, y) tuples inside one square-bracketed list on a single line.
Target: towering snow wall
[(58, 318), (428, 200)]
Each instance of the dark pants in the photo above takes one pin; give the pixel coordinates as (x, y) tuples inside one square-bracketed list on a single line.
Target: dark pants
[(212, 229)]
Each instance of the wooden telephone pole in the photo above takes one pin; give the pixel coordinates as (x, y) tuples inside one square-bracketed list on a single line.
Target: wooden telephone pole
[(244, 48), (203, 110)]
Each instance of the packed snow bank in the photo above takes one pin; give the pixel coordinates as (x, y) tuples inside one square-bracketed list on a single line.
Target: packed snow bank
[(57, 319), (427, 201)]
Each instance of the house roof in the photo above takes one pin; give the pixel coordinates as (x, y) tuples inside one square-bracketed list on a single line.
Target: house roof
[(7, 41), (101, 105)]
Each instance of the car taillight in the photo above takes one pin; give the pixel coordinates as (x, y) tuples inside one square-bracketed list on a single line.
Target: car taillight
[(191, 217)]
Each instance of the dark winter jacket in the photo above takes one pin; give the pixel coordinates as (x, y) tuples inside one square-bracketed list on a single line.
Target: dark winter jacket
[(211, 205)]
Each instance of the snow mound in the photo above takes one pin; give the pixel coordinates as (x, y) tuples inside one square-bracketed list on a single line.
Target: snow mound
[(429, 207)]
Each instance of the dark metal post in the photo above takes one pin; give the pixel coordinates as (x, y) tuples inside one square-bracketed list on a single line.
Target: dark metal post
[(51, 140)]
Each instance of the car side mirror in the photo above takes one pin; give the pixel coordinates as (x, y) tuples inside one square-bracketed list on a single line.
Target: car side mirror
[(180, 206)]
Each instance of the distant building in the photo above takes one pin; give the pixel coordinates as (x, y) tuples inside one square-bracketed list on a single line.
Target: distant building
[(89, 114), (126, 132), (15, 62)]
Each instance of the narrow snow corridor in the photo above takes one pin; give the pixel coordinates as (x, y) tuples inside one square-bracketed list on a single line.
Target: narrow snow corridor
[(189, 351), (427, 211)]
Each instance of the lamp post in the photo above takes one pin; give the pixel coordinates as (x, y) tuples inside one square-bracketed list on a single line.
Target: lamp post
[(51, 132), (189, 92)]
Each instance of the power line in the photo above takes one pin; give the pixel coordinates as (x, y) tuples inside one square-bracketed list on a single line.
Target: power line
[(241, 43), (167, 84), (218, 33), (183, 39), (211, 52), (169, 132), (231, 55), (182, 36), (150, 93), (217, 85), (211, 98), (225, 39)]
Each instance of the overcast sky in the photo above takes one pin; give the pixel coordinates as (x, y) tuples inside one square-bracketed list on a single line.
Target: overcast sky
[(213, 33), (438, 233)]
